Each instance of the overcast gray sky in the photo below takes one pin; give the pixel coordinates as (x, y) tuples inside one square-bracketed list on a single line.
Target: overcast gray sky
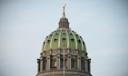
[(24, 24)]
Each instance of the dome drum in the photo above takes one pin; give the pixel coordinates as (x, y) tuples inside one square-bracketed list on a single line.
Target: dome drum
[(64, 52), (63, 60)]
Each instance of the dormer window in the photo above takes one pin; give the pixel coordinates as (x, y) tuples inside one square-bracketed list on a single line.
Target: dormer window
[(63, 38), (72, 40), (48, 41), (71, 34), (55, 40)]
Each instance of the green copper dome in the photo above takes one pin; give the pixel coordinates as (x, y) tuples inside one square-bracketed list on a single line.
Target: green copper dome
[(64, 38)]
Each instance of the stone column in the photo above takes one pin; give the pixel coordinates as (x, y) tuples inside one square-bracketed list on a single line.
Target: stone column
[(64, 64), (48, 63), (41, 65), (86, 65), (89, 61), (38, 63), (69, 62), (58, 62), (79, 63)]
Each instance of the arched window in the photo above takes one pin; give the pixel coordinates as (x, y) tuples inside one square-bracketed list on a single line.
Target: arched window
[(82, 64), (53, 61), (74, 63), (72, 39), (44, 63), (48, 41), (63, 62), (55, 40), (89, 65), (38, 61)]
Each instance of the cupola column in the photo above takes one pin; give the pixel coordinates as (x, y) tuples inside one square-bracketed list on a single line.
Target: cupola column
[(48, 64), (58, 62), (89, 61), (41, 65), (79, 63), (69, 62), (38, 65), (86, 65)]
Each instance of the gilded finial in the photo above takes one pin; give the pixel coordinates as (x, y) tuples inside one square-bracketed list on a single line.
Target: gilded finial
[(64, 11)]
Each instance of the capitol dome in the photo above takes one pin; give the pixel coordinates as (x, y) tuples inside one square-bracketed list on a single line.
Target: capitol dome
[(64, 38), (63, 53)]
